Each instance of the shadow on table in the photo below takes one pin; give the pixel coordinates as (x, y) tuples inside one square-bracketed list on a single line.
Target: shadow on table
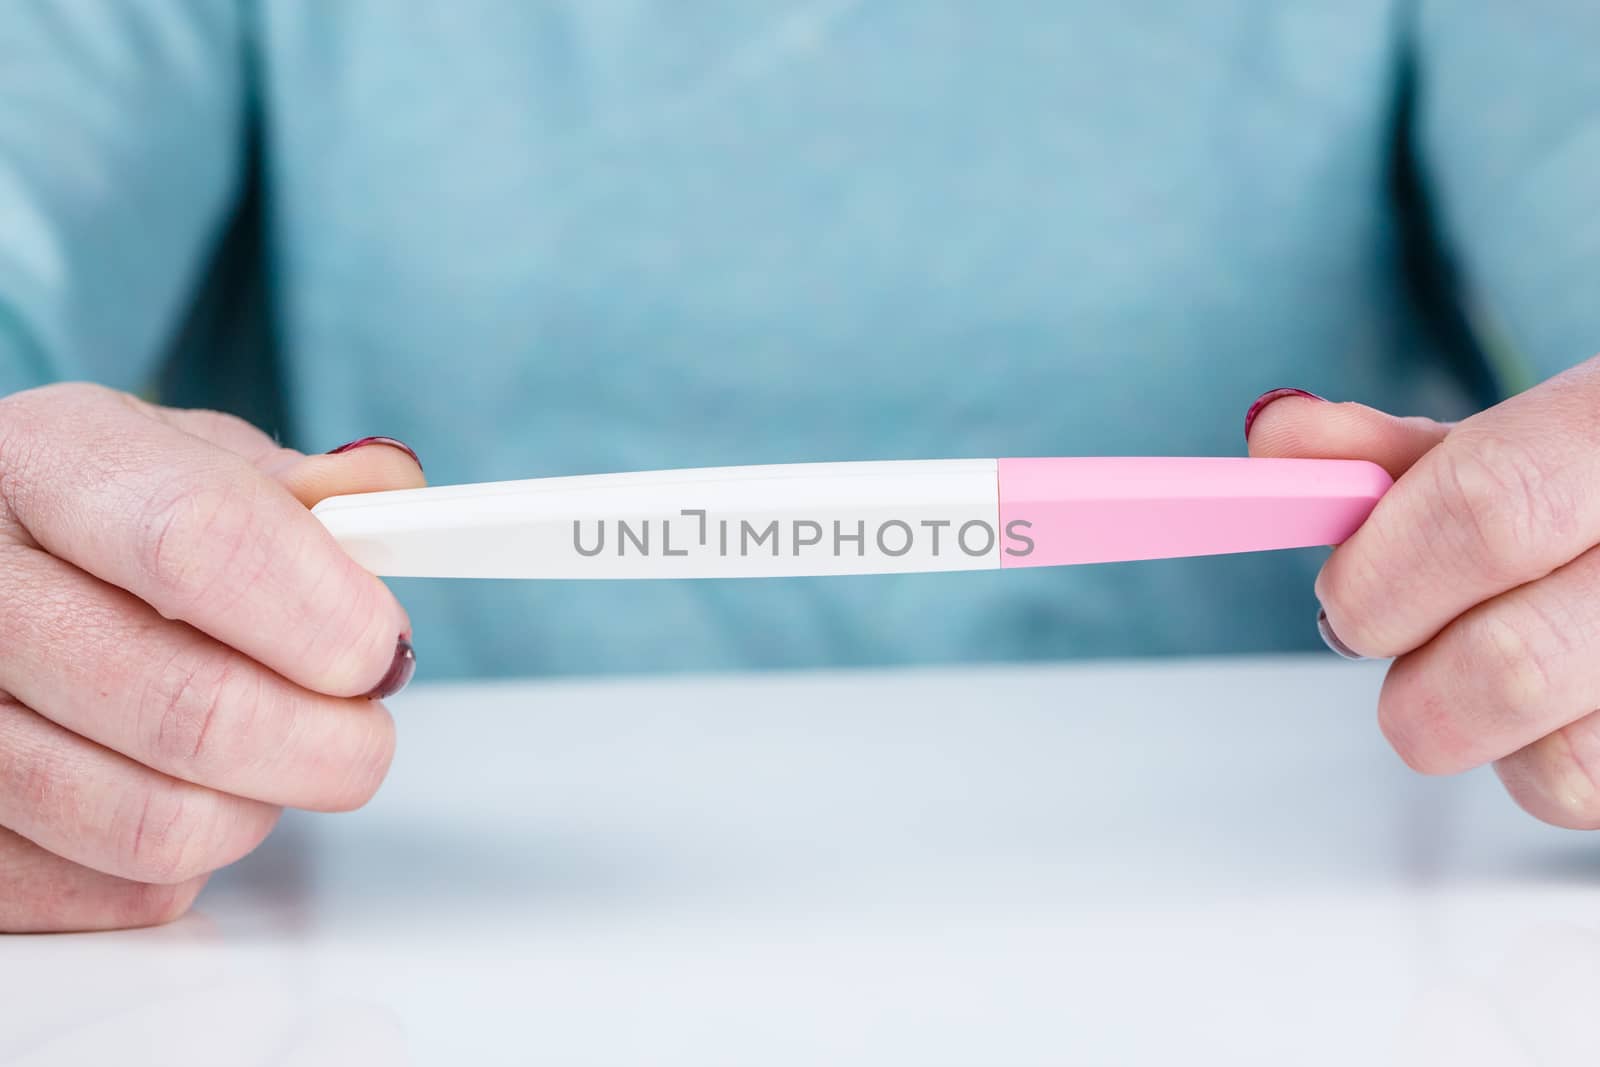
[(1576, 863), (299, 880)]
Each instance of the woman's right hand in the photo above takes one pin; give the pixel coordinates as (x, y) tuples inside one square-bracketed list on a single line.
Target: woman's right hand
[(183, 651)]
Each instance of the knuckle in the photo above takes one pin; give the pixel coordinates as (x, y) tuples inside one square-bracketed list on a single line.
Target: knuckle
[(1511, 659), (1492, 491), (166, 835), (194, 542), (195, 708)]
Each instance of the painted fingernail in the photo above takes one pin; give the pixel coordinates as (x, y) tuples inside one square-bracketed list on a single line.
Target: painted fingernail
[(363, 442), (1331, 639), (1268, 397), (399, 672)]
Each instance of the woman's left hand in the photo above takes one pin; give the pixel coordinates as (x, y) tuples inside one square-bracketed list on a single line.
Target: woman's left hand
[(1479, 573)]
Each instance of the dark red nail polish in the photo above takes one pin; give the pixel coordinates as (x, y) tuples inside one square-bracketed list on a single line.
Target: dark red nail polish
[(1331, 639), (1268, 397), (392, 442), (399, 672)]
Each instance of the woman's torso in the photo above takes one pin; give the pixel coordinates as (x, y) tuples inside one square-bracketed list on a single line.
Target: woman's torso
[(552, 238)]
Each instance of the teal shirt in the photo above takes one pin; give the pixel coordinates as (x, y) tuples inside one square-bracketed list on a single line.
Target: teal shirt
[(535, 237)]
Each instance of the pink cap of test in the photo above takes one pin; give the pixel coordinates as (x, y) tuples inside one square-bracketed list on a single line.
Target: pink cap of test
[(1099, 510)]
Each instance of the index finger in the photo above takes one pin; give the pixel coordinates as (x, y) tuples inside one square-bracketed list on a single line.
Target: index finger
[(198, 533), (1504, 500)]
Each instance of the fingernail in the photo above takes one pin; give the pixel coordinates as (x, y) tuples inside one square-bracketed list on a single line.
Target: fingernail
[(399, 672), (1268, 397), (1331, 639), (392, 442)]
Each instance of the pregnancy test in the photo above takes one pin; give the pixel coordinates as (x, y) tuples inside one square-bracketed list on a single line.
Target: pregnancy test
[(855, 518)]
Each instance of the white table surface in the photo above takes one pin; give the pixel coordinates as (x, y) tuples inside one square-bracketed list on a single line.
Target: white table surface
[(1211, 862)]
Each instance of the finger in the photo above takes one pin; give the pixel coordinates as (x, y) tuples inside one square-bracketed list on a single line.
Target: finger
[(1304, 427), (198, 533), (225, 431), (1506, 498), (101, 810), (1501, 676), (103, 664), (42, 893), (364, 465), (1557, 778), (379, 463)]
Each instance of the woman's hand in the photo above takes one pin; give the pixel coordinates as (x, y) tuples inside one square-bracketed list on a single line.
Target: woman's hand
[(183, 650), (1479, 572)]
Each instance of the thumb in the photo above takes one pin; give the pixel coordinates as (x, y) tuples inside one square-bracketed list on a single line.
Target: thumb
[(1293, 424), (365, 465)]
